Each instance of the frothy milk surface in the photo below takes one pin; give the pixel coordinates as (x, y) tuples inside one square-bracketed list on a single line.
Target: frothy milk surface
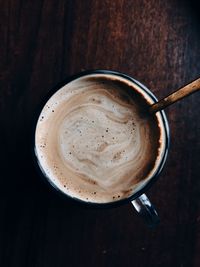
[(94, 141)]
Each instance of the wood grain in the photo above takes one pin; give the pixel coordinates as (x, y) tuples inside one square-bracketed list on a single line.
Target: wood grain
[(41, 43)]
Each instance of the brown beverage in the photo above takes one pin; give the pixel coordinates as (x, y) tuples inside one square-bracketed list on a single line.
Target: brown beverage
[(96, 141)]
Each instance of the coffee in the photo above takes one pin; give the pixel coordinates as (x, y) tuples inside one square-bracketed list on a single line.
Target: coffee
[(96, 141)]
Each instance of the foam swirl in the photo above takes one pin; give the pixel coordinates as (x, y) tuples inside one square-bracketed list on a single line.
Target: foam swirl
[(93, 141)]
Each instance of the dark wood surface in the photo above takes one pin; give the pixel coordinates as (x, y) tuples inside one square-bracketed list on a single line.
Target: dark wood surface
[(43, 42)]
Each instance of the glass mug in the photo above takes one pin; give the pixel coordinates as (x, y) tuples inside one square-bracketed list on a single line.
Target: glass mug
[(139, 200)]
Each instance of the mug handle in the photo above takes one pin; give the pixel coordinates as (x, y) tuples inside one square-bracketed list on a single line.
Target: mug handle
[(146, 210)]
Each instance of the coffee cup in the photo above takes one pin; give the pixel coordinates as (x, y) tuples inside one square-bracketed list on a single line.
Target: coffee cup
[(96, 142)]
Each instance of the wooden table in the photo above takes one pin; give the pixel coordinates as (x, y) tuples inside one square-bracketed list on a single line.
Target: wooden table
[(43, 42)]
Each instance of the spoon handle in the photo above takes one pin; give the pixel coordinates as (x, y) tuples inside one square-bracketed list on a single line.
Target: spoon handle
[(177, 95)]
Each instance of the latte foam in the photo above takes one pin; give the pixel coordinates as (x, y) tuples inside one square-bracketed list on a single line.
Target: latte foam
[(95, 140)]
